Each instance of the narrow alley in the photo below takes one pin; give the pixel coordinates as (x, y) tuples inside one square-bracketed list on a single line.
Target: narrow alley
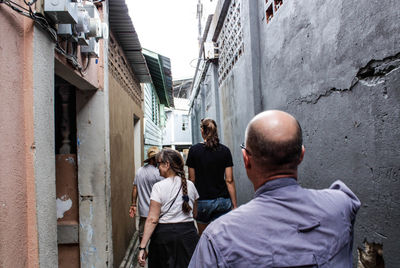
[(95, 91)]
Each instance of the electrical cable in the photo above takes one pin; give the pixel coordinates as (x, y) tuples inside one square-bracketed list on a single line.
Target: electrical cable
[(30, 3), (12, 5)]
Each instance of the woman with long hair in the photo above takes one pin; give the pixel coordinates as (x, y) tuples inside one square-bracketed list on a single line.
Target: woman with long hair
[(170, 222), (210, 168)]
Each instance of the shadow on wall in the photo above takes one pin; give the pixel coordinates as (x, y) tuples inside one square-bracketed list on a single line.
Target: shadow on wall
[(371, 256)]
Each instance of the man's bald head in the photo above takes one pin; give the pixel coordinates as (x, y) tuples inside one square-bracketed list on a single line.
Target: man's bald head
[(274, 138)]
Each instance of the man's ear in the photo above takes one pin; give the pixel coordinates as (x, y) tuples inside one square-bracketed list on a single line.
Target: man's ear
[(303, 150), (246, 159)]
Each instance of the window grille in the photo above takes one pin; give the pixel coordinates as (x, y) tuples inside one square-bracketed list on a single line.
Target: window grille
[(272, 7), (230, 41)]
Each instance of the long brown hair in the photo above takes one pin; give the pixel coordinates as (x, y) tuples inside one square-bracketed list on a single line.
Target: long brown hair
[(176, 163), (210, 133)]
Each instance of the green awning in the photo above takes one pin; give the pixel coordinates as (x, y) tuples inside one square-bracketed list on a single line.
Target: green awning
[(160, 71)]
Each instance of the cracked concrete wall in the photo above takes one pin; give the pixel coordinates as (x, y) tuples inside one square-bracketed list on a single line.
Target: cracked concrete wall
[(335, 66)]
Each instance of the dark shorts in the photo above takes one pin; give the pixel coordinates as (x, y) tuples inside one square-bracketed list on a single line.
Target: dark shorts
[(209, 210)]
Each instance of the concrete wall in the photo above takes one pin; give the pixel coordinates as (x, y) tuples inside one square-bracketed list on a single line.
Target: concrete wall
[(123, 109), (93, 169), (18, 222), (27, 191), (45, 173), (335, 66)]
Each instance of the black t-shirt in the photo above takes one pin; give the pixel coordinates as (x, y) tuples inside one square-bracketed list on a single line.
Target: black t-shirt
[(209, 166)]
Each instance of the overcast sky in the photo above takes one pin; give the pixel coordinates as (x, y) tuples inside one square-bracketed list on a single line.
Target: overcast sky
[(170, 28)]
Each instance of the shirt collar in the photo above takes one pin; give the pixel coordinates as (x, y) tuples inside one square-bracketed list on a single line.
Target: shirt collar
[(275, 184)]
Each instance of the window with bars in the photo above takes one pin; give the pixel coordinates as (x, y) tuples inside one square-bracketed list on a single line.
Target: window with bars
[(230, 41), (272, 7), (155, 110)]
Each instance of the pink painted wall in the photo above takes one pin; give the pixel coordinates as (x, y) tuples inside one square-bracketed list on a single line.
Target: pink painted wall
[(18, 228)]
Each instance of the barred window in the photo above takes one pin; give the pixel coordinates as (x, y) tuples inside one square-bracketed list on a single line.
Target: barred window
[(230, 41), (272, 7)]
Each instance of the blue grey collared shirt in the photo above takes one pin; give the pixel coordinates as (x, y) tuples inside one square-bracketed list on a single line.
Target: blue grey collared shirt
[(284, 225)]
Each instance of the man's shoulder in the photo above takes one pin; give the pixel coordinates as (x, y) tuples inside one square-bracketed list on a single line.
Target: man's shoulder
[(151, 169), (236, 219), (238, 236)]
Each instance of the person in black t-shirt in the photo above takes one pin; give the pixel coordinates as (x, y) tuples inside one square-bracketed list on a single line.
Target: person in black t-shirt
[(210, 168)]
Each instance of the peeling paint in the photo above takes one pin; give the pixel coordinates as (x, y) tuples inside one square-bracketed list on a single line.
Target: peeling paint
[(370, 75), (70, 160), (63, 205), (88, 253), (378, 68)]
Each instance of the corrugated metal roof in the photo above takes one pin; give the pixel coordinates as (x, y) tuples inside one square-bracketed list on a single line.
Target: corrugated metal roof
[(123, 30), (166, 63), (160, 70)]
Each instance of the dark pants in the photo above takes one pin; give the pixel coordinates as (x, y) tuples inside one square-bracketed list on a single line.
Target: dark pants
[(172, 245)]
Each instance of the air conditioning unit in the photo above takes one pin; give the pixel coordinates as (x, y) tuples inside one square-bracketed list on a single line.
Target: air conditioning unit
[(64, 30), (61, 11), (95, 27), (210, 51), (93, 49)]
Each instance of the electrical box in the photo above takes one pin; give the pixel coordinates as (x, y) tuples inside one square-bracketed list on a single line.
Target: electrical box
[(82, 41), (210, 51), (93, 49), (64, 30), (95, 27), (83, 20), (61, 11)]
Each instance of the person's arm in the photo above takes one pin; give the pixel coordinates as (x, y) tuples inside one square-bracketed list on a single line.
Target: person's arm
[(192, 175), (149, 226), (133, 207), (230, 184)]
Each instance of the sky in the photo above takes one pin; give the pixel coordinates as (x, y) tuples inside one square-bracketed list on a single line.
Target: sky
[(169, 28)]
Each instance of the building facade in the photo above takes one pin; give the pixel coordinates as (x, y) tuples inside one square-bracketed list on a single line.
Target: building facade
[(72, 130), (334, 65), (177, 133), (157, 96), (127, 76)]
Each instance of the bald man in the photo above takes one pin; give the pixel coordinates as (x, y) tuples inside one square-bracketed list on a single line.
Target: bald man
[(284, 225)]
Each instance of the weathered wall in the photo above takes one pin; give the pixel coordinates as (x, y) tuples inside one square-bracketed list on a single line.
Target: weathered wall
[(335, 66), (93, 168), (18, 225), (45, 174), (122, 141), (125, 106)]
